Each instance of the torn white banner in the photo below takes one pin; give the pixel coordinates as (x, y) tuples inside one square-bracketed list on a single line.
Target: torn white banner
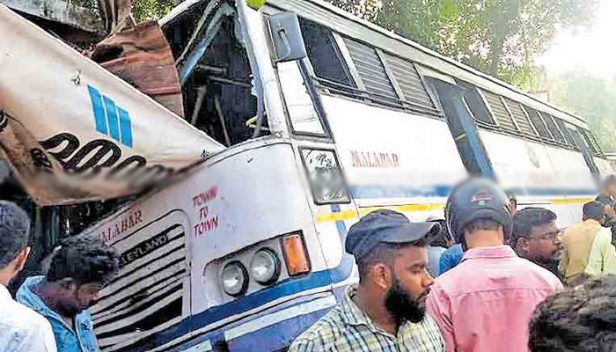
[(74, 132)]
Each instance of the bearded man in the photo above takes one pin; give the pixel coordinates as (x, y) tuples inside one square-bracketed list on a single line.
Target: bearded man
[(386, 311)]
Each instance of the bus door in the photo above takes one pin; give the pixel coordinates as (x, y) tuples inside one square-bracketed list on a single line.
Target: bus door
[(462, 127)]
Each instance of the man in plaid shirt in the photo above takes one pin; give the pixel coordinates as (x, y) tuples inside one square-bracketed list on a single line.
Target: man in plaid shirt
[(385, 312)]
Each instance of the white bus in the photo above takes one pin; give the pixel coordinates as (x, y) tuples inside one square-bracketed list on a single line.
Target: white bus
[(246, 252)]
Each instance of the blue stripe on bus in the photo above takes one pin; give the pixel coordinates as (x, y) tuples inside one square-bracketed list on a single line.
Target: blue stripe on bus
[(126, 134), (98, 110), (344, 270), (340, 225), (278, 336), (112, 118), (286, 288), (368, 192), (360, 192), (218, 335), (539, 192)]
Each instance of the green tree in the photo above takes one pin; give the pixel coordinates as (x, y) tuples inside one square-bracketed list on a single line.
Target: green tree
[(144, 10), (592, 98), (499, 37), (366, 9)]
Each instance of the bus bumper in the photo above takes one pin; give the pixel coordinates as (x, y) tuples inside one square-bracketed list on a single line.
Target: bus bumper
[(271, 330)]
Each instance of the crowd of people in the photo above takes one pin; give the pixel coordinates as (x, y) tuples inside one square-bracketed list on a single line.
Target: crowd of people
[(501, 287), (513, 282)]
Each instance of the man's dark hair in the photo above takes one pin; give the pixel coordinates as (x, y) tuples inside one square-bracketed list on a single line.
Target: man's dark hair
[(579, 319), (482, 225), (383, 253), (86, 260), (525, 219), (593, 210), (14, 232), (441, 239)]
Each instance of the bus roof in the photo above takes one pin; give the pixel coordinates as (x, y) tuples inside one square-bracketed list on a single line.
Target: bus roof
[(345, 23)]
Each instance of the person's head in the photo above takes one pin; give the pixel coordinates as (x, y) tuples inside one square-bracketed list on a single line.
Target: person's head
[(535, 235), (593, 211), (609, 185), (14, 233), (478, 214), (79, 269), (444, 238), (513, 203), (391, 258), (579, 319)]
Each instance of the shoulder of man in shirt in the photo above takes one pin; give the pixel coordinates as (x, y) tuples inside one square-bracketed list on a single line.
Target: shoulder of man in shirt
[(470, 276), (581, 227), (571, 231), (25, 324), (26, 296)]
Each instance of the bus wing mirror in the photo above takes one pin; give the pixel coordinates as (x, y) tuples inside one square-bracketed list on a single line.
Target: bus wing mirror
[(287, 37)]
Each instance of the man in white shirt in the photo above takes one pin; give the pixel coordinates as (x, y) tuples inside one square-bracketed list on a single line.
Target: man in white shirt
[(21, 328)]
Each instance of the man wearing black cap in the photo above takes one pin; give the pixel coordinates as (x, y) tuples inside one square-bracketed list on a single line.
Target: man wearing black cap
[(385, 312), (484, 304)]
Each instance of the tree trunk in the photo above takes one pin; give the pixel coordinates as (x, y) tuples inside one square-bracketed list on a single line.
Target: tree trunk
[(495, 55)]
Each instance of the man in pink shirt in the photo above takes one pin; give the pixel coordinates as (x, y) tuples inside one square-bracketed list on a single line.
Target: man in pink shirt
[(485, 303)]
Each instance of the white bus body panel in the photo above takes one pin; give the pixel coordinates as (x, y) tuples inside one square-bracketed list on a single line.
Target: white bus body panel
[(392, 157), (544, 176)]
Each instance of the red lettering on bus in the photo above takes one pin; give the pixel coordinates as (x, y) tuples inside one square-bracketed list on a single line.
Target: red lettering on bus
[(202, 198), (121, 226), (206, 226), (372, 159)]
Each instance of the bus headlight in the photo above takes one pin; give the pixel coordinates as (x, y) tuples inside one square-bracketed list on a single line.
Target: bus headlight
[(265, 266), (234, 279)]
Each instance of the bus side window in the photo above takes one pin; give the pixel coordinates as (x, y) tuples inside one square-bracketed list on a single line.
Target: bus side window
[(539, 123), (323, 54), (591, 142), (476, 104), (553, 127)]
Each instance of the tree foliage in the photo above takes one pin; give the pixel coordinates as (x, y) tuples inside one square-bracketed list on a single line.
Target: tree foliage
[(592, 98), (151, 9), (499, 37)]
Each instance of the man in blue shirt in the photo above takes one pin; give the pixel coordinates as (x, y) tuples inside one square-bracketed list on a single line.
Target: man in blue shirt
[(437, 247), (451, 258), (78, 271)]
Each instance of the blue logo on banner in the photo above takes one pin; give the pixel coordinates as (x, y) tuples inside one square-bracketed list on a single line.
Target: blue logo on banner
[(110, 120)]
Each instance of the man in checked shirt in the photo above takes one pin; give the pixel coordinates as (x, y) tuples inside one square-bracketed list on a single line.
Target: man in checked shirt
[(385, 312)]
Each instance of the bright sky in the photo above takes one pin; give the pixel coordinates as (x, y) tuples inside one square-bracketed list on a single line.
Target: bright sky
[(592, 50)]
